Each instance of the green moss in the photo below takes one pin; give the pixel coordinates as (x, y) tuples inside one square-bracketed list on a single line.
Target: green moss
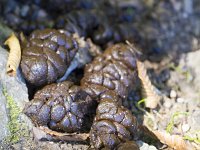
[(16, 127)]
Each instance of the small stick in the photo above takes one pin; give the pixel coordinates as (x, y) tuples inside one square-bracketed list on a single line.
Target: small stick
[(14, 55)]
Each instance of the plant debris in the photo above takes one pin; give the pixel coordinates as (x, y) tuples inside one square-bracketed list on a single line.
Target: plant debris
[(150, 93), (14, 57)]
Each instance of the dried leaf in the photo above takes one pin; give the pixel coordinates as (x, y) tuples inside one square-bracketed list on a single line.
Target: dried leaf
[(14, 55), (173, 141), (81, 137), (148, 90)]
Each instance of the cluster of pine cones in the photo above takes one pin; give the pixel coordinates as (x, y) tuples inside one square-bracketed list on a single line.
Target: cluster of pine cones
[(65, 107), (107, 80)]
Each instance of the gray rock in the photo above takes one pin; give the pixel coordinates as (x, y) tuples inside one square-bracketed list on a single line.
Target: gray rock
[(15, 86), (3, 115), (13, 91), (61, 146), (144, 146)]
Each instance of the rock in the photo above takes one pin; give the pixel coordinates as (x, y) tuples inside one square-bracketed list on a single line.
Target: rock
[(61, 146), (145, 146), (15, 86), (3, 115), (40, 135), (173, 94), (180, 100), (185, 127), (14, 95), (167, 104)]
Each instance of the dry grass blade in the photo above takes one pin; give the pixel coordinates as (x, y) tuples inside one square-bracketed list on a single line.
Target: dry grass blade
[(173, 141), (81, 137), (14, 55), (149, 91)]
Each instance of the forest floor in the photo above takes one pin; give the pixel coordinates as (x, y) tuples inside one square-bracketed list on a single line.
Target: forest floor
[(171, 43)]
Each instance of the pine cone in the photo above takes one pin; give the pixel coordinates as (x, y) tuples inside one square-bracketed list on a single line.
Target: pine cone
[(61, 107), (114, 70), (113, 125), (46, 56), (116, 33), (81, 22), (129, 145)]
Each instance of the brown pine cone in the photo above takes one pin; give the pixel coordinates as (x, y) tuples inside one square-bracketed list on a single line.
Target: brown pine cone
[(129, 145), (81, 22), (61, 107), (115, 70), (46, 56), (113, 125)]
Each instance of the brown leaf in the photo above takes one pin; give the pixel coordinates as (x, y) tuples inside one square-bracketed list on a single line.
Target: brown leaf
[(173, 141)]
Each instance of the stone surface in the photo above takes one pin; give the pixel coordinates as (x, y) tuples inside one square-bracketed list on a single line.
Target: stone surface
[(15, 88), (144, 146), (3, 114)]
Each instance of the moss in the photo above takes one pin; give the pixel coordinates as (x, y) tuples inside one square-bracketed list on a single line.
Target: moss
[(16, 127)]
